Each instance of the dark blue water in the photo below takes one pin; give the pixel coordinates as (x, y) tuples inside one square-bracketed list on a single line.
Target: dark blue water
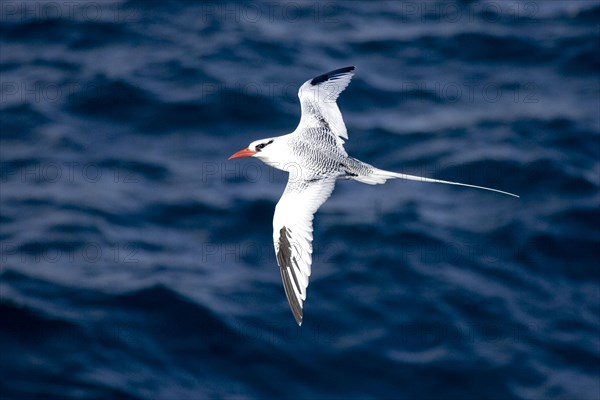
[(137, 262)]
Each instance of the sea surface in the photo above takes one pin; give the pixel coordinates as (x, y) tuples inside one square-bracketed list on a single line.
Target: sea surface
[(137, 262)]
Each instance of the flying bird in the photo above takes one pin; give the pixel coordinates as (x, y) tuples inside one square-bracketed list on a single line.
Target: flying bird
[(315, 158)]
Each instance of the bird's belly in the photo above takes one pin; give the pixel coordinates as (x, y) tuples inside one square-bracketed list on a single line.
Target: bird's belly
[(287, 165)]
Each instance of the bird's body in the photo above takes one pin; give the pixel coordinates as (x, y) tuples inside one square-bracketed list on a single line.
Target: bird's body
[(315, 158)]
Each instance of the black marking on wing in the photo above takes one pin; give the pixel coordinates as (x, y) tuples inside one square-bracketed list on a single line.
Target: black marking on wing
[(323, 122), (346, 172), (318, 116), (285, 259), (317, 179), (331, 75)]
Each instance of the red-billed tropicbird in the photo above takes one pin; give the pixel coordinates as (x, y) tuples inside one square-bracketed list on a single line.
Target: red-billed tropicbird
[(315, 157)]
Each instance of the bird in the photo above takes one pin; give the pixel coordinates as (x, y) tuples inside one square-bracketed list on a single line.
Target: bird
[(315, 158)]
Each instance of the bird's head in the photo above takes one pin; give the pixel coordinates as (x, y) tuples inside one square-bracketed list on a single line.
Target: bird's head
[(263, 149)]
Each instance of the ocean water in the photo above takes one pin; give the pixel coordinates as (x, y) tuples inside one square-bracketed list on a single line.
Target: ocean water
[(137, 263)]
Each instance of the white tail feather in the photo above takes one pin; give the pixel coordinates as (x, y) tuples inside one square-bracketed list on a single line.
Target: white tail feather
[(380, 176)]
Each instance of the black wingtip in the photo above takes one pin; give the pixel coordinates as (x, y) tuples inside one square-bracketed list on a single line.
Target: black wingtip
[(331, 74), (284, 259)]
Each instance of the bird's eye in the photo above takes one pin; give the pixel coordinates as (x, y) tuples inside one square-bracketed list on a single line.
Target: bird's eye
[(261, 146)]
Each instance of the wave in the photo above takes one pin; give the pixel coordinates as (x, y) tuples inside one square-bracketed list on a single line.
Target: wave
[(21, 122), (411, 282)]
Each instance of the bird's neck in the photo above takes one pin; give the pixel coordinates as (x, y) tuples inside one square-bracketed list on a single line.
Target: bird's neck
[(279, 154)]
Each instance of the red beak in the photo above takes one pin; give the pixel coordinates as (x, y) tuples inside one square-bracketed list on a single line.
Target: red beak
[(242, 153)]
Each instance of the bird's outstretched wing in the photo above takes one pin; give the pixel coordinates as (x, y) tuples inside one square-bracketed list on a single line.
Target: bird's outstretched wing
[(292, 235), (318, 102)]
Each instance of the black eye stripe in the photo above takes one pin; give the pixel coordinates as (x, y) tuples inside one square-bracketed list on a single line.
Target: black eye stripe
[(261, 146)]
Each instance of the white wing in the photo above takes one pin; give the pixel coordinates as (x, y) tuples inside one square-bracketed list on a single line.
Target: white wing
[(292, 235), (318, 101)]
